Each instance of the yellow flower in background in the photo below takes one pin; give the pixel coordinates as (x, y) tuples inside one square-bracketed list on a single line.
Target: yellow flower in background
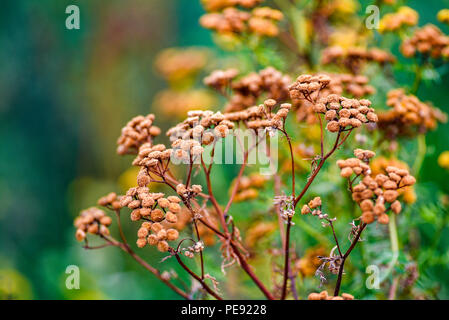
[(259, 231), (128, 179), (410, 16), (391, 22), (344, 38), (443, 16), (409, 195), (307, 264), (13, 285), (227, 41), (345, 6), (178, 65), (443, 160), (176, 104), (214, 5), (312, 132)]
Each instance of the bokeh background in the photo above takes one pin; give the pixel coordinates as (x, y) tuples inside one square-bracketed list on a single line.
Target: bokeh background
[(64, 96)]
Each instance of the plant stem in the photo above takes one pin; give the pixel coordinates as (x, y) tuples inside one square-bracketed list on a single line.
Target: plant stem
[(320, 165), (346, 255), (418, 78), (193, 274), (227, 237), (287, 268), (394, 248), (286, 260), (147, 266), (422, 149)]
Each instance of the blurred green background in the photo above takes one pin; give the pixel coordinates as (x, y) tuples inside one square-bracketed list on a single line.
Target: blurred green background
[(64, 96)]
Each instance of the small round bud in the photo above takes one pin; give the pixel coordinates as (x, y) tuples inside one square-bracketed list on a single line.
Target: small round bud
[(141, 242), (80, 235), (172, 234), (162, 246)]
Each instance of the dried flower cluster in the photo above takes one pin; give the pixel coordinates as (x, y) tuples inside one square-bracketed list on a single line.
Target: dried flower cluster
[(323, 295), (428, 40), (354, 58), (261, 21), (138, 131), (380, 164), (408, 115), (308, 87), (333, 101), (221, 79), (110, 201), (353, 85), (188, 192), (286, 207), (374, 193), (356, 86), (343, 113), (189, 252), (268, 83), (93, 221), (262, 116), (154, 208), (155, 234), (200, 128), (148, 158)]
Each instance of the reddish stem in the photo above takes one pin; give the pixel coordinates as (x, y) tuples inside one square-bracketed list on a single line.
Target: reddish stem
[(193, 274), (346, 255)]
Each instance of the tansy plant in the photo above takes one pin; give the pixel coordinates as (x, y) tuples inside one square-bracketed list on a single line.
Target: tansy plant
[(293, 79)]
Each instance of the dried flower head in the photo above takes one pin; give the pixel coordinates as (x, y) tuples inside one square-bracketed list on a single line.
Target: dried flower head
[(355, 58), (110, 200), (261, 21), (428, 40), (221, 79), (137, 131), (262, 116), (93, 221), (200, 128), (248, 89), (344, 114), (408, 115), (374, 193), (323, 295)]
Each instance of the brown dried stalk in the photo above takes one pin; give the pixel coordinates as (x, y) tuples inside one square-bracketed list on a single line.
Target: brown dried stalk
[(345, 256), (125, 247)]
